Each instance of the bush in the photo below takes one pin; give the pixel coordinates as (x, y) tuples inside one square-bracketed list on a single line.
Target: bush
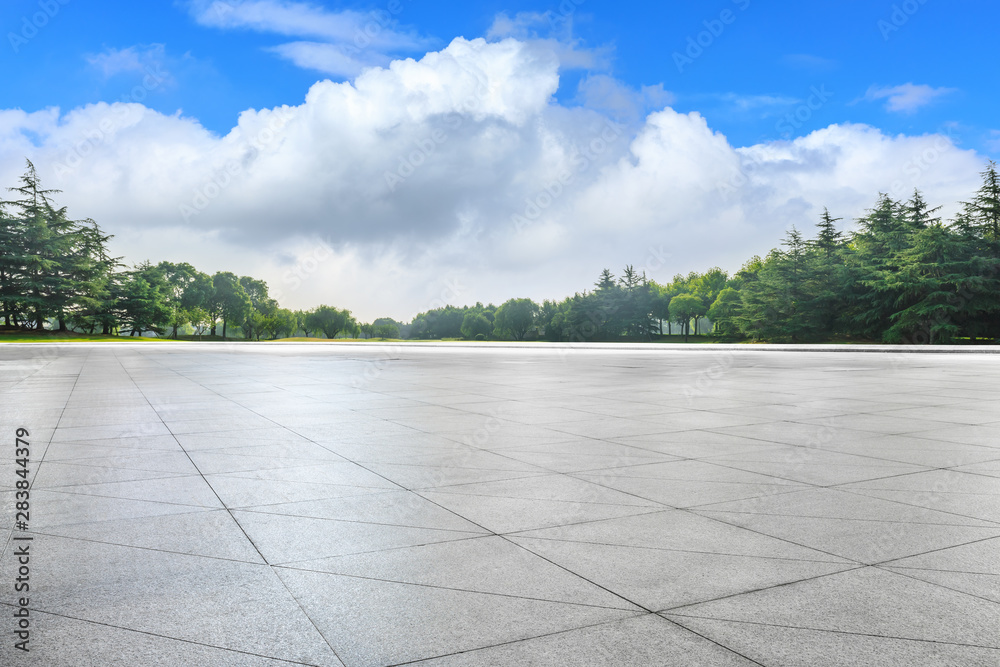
[(474, 325)]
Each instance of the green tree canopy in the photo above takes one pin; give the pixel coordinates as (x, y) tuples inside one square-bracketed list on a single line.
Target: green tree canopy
[(475, 324), (684, 308), (331, 321), (229, 300), (515, 317)]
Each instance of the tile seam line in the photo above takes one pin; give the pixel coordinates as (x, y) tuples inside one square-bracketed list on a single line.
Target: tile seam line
[(251, 510), (994, 522), (719, 431), (731, 466), (568, 630), (33, 373), (10, 535), (167, 637), (285, 564), (910, 568), (158, 502), (437, 489), (687, 551), (419, 430), (856, 567), (396, 485), (419, 490), (490, 532), (461, 590), (154, 549), (759, 533), (229, 511), (124, 481), (931, 551), (700, 509), (831, 631), (938, 584)]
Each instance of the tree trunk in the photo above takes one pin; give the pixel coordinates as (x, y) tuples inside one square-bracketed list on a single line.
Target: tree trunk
[(224, 329), (6, 304)]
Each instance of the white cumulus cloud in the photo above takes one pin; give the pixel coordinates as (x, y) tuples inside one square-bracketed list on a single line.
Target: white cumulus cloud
[(342, 43), (458, 177), (906, 98)]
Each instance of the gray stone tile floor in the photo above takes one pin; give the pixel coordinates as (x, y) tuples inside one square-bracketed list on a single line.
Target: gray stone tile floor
[(327, 504)]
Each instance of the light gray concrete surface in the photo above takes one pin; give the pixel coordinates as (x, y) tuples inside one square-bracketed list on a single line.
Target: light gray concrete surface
[(329, 504)]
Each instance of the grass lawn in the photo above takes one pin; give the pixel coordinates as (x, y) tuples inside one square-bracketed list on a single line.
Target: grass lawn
[(63, 337), (21, 336)]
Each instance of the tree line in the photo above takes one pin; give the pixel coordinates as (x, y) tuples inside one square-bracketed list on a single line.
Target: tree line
[(903, 275), (57, 271)]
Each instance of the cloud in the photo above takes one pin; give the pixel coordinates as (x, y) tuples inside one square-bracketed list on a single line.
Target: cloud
[(554, 30), (751, 102), (458, 177), (140, 59), (349, 40), (606, 94), (529, 25), (331, 59), (301, 19), (906, 98)]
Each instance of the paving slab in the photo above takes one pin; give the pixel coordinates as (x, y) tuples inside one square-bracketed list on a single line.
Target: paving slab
[(503, 504)]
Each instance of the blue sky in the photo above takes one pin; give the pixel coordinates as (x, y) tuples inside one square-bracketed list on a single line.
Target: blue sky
[(761, 66), (737, 118)]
